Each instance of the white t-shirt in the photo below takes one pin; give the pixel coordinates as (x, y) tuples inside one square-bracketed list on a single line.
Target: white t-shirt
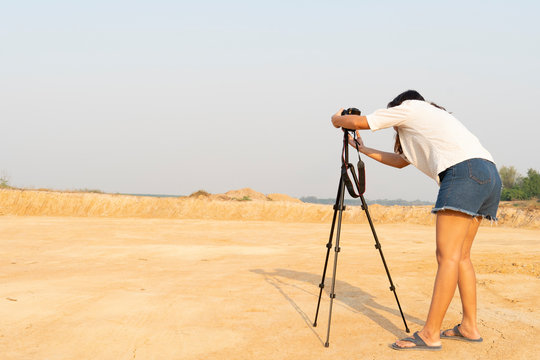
[(431, 138)]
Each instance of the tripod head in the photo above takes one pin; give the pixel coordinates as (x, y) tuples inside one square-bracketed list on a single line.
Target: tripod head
[(351, 111)]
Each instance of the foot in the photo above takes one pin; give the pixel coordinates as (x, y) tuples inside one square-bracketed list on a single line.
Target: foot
[(429, 343), (463, 332)]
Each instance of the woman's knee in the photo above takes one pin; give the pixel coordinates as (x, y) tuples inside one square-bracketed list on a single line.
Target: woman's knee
[(447, 257)]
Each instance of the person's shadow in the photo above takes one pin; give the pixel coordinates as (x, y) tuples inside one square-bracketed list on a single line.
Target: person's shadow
[(354, 297)]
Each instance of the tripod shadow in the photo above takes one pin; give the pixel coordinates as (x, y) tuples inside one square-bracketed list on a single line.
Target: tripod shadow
[(271, 279), (356, 299)]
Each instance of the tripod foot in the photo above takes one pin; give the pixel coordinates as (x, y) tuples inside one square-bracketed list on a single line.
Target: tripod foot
[(407, 330), (327, 344), (315, 324)]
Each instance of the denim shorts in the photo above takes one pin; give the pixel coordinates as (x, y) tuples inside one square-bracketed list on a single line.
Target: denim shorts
[(472, 187)]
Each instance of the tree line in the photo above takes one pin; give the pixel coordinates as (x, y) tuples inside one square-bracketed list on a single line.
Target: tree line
[(518, 187)]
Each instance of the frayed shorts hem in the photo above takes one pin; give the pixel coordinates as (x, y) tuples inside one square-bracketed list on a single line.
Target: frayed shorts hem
[(472, 213)]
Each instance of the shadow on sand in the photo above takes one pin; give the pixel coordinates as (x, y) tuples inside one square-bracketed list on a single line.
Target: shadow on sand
[(356, 299)]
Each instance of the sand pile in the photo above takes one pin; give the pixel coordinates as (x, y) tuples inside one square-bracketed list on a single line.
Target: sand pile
[(245, 194), (283, 197), (207, 206)]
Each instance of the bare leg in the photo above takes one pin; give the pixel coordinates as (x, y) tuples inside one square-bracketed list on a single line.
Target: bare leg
[(452, 229), (467, 287)]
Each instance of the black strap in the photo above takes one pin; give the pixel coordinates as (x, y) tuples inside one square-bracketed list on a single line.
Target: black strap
[(357, 186)]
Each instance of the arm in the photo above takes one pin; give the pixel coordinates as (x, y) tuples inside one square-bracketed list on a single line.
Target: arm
[(349, 121), (386, 158)]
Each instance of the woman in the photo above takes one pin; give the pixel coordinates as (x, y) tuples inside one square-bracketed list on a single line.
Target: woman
[(436, 143)]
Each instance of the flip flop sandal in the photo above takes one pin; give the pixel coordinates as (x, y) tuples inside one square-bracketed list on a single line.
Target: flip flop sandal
[(458, 336), (418, 342)]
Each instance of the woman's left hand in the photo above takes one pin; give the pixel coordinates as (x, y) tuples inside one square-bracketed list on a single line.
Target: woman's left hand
[(358, 144), (335, 118)]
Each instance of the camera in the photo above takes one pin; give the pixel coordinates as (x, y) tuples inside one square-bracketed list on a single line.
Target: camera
[(351, 111)]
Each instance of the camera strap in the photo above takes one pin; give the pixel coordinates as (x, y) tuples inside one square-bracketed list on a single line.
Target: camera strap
[(356, 185)]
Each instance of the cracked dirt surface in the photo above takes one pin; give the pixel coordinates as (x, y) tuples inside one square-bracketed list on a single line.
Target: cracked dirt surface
[(106, 288)]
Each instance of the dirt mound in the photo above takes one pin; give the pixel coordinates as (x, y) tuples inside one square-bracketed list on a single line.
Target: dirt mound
[(201, 194), (282, 197), (246, 194), (221, 197)]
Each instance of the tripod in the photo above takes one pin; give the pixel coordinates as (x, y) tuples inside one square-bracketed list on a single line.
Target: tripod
[(339, 207)]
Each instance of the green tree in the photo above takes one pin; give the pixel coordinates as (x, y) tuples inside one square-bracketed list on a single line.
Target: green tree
[(516, 187), (509, 176), (531, 184)]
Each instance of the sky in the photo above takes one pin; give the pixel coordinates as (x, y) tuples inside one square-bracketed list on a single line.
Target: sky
[(171, 97)]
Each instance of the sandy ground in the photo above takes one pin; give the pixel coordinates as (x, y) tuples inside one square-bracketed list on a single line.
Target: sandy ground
[(109, 288)]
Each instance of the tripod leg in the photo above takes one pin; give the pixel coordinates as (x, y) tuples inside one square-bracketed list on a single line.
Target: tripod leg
[(337, 249), (328, 247), (378, 247)]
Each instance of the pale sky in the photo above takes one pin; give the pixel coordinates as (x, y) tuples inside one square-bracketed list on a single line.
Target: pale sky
[(170, 97)]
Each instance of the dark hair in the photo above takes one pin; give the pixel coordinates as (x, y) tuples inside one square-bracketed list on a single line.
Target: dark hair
[(406, 95), (409, 95), (398, 100)]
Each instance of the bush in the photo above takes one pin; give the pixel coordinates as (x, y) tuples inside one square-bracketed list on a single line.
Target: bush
[(245, 198), (513, 194), (4, 181), (524, 188)]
